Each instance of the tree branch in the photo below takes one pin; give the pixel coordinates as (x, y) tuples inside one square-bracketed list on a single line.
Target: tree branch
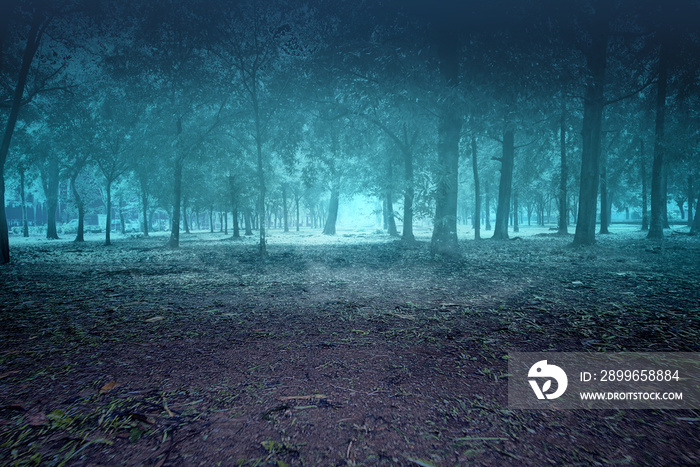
[(631, 94)]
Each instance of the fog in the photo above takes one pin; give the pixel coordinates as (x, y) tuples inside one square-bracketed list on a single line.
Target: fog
[(324, 232), (275, 115)]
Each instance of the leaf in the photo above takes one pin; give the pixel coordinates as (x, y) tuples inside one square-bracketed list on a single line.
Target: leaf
[(37, 419), (108, 387), (547, 385), (309, 397), (421, 462), (167, 409), (135, 434), (155, 318)]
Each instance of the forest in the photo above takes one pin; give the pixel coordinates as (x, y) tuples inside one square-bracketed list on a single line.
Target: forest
[(309, 232)]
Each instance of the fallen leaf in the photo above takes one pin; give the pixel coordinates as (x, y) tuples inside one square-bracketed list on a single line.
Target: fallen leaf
[(108, 387), (155, 318), (308, 397), (167, 409), (37, 419)]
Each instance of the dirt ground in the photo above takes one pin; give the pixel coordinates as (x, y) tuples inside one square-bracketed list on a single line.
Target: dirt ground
[(360, 351)]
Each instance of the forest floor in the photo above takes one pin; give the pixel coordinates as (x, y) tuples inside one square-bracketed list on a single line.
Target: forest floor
[(358, 351)]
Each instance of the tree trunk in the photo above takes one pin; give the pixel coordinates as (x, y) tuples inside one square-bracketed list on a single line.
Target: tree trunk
[(643, 175), (604, 212), (247, 216), (393, 231), (122, 223), (391, 221), (79, 236), (285, 213), (477, 193), (211, 219), (593, 104), (664, 195), (408, 196), (500, 231), (184, 215), (4, 231), (658, 198), (23, 198), (444, 239), (52, 198), (385, 217), (108, 229), (487, 207), (174, 241), (562, 228), (233, 191), (296, 204), (236, 226), (144, 204), (516, 224), (262, 247), (690, 200), (329, 228), (695, 229)]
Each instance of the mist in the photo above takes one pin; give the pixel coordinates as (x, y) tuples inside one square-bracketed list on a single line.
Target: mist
[(312, 232)]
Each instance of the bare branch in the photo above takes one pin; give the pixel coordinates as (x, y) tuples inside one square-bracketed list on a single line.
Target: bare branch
[(631, 94)]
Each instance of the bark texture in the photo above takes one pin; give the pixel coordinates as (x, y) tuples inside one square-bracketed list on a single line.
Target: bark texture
[(500, 230), (444, 239), (593, 104)]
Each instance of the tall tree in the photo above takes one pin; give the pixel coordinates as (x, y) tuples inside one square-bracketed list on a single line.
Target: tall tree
[(444, 238), (563, 197), (259, 40), (39, 23), (658, 192), (507, 160), (596, 52), (477, 192)]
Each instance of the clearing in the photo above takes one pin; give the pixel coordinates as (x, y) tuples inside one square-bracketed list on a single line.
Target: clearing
[(354, 350)]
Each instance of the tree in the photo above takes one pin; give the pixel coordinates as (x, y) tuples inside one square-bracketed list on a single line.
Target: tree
[(39, 23), (258, 41), (593, 104), (658, 198), (477, 192), (111, 158), (444, 238), (562, 226), (507, 160), (49, 168)]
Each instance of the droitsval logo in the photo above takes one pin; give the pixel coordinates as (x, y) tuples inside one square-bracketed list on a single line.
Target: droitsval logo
[(542, 370)]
